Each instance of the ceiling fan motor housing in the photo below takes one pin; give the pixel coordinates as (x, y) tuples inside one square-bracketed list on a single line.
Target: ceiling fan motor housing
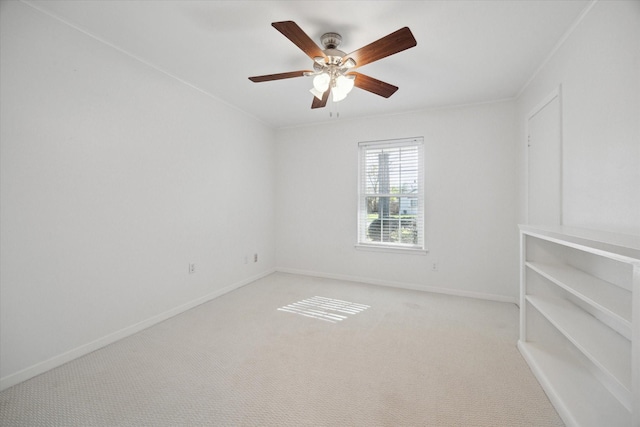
[(334, 56)]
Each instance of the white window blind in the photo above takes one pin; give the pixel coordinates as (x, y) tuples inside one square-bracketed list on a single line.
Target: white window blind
[(391, 193)]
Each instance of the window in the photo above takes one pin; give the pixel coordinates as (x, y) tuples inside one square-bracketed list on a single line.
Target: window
[(391, 194)]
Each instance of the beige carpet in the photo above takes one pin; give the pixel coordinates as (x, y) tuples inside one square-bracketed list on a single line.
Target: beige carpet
[(407, 359)]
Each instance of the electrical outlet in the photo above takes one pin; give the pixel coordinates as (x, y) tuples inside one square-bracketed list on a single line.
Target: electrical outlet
[(255, 257), (192, 268), (434, 266)]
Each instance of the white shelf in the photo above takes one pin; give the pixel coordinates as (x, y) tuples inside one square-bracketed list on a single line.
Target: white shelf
[(611, 352), (605, 296), (615, 246), (570, 385), (580, 334)]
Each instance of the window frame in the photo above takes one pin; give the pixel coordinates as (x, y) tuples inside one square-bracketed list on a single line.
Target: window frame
[(363, 243)]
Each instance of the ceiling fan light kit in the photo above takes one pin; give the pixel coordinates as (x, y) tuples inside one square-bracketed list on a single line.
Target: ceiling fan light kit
[(333, 69)]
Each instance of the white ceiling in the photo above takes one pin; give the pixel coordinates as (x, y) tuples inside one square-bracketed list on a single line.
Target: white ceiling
[(467, 52)]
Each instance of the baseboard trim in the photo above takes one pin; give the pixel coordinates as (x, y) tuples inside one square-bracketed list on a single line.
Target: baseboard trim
[(54, 362), (401, 285)]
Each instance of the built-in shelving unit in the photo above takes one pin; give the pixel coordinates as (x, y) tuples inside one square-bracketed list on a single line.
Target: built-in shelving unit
[(580, 322)]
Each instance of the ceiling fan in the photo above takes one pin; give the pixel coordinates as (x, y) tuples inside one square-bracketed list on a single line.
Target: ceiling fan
[(333, 69)]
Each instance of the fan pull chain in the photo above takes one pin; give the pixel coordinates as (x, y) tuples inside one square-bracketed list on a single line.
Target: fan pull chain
[(334, 104)]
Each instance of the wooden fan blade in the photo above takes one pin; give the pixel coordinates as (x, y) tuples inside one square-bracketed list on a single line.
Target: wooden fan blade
[(293, 32), (317, 103), (280, 76), (373, 85), (388, 45)]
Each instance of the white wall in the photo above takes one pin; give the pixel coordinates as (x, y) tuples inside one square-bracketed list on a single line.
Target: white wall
[(598, 67), (471, 189), (114, 177)]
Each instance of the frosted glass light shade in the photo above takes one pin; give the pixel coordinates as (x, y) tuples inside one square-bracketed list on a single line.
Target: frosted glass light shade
[(321, 82), (343, 86), (337, 95), (345, 83)]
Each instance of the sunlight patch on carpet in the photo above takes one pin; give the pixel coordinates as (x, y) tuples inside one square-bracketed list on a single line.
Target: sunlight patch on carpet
[(327, 309)]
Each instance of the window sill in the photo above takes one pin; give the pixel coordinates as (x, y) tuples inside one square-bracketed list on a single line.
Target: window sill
[(391, 249)]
